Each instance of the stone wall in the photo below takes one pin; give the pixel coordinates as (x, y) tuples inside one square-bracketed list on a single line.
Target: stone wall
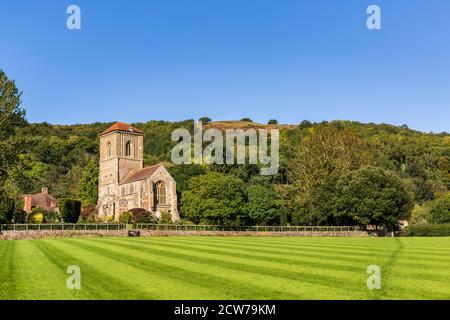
[(35, 234), (29, 235)]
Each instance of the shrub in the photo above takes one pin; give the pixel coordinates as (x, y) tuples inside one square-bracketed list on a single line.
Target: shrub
[(7, 207), (19, 216), (35, 218), (272, 121), (39, 215), (246, 120), (126, 217), (420, 213), (88, 212), (166, 218), (145, 217), (108, 219), (51, 217), (440, 211), (427, 230), (70, 210)]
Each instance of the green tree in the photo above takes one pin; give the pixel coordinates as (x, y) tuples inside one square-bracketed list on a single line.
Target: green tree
[(372, 196), (272, 121), (329, 151), (183, 173), (305, 124), (214, 197), (12, 117), (204, 120), (440, 211), (264, 206), (320, 206), (88, 184)]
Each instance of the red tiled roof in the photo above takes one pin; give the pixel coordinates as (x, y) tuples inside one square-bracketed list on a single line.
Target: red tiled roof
[(44, 201), (140, 174), (121, 126)]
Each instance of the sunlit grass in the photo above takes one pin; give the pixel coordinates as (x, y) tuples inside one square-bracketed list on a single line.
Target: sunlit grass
[(226, 268)]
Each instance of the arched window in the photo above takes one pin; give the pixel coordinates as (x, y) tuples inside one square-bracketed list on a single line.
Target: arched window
[(108, 150), (161, 193), (128, 149)]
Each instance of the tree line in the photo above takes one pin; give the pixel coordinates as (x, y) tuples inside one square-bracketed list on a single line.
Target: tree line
[(331, 173)]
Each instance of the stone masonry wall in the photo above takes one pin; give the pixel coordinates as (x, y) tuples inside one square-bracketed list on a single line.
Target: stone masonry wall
[(29, 235)]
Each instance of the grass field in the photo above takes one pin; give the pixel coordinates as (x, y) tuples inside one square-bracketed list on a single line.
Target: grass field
[(226, 268)]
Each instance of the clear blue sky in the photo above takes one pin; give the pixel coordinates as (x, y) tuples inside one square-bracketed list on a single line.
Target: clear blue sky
[(136, 61)]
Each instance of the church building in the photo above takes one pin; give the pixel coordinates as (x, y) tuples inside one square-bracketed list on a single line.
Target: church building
[(124, 183)]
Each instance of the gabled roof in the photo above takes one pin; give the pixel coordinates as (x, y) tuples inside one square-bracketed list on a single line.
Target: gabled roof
[(121, 126), (43, 200), (140, 174)]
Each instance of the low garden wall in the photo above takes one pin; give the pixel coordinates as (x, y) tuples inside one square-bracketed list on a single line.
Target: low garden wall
[(36, 234)]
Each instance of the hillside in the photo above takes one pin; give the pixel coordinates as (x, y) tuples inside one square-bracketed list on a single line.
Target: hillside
[(65, 157)]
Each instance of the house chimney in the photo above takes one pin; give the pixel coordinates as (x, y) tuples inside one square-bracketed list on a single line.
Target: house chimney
[(27, 203), (44, 190)]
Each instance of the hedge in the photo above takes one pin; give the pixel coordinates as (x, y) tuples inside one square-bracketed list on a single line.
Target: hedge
[(427, 230), (70, 210)]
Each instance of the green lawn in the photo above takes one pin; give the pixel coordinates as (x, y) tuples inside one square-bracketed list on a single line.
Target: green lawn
[(226, 268)]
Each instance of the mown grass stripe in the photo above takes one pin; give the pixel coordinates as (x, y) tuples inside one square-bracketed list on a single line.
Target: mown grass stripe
[(343, 260), (185, 271), (256, 257), (306, 278), (138, 283), (306, 251), (7, 269), (273, 269), (94, 282), (282, 248)]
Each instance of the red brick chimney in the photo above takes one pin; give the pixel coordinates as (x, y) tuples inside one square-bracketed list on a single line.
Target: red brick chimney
[(27, 203)]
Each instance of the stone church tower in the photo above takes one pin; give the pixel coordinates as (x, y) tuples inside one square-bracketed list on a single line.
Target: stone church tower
[(124, 183)]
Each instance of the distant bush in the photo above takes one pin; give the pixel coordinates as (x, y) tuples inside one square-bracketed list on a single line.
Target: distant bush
[(272, 121), (126, 217), (204, 120), (246, 120), (427, 230), (39, 215), (19, 216), (166, 218), (305, 124), (7, 207), (69, 209), (145, 217), (37, 218), (440, 211), (140, 215), (88, 212)]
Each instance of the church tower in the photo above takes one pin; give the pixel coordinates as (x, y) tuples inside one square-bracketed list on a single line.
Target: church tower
[(121, 150)]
